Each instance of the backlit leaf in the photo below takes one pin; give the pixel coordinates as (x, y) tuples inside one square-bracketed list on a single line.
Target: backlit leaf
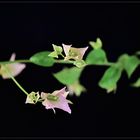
[(110, 78), (129, 63), (97, 56), (68, 75), (57, 49), (42, 59), (79, 63), (53, 54), (96, 45)]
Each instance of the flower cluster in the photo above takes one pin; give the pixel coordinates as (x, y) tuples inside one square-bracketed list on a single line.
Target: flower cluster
[(51, 101), (74, 53), (56, 99), (71, 53)]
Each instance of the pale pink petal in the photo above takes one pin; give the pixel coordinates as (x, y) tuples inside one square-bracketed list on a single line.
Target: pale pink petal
[(82, 52), (13, 56), (14, 69), (60, 92), (17, 68), (43, 95), (66, 94), (62, 103), (66, 49), (47, 104)]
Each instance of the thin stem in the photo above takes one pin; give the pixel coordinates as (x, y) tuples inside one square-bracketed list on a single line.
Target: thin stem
[(71, 62), (15, 81), (64, 61), (56, 61), (62, 55), (40, 100), (16, 61)]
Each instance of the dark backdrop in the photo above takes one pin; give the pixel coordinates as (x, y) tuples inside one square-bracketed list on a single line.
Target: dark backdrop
[(29, 28)]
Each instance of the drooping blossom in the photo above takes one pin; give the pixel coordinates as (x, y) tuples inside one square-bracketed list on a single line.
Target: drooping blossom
[(74, 53), (14, 69), (57, 99)]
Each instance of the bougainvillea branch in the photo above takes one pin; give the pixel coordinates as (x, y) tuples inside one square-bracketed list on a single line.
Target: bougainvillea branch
[(70, 77)]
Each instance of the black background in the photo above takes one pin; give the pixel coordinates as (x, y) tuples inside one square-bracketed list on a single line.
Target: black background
[(32, 27)]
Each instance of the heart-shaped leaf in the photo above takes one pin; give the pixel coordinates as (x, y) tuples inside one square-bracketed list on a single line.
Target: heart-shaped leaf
[(129, 63), (96, 45), (97, 56), (110, 78), (42, 59), (68, 75)]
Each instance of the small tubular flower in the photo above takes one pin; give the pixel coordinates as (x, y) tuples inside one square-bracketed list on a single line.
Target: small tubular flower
[(56, 100), (14, 69), (73, 53)]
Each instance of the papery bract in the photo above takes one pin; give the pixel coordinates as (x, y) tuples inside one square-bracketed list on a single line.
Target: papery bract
[(73, 53), (56, 100), (14, 69), (32, 98)]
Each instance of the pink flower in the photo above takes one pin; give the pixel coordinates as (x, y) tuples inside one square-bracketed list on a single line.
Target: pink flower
[(73, 53), (14, 69), (56, 100)]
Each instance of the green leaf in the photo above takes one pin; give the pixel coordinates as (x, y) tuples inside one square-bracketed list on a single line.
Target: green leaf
[(57, 49), (53, 54), (137, 83), (96, 45), (68, 75), (79, 63), (129, 63), (97, 56), (137, 53), (110, 78), (42, 59)]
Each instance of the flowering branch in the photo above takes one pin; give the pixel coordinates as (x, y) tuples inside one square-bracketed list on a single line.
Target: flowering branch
[(14, 80), (70, 77)]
